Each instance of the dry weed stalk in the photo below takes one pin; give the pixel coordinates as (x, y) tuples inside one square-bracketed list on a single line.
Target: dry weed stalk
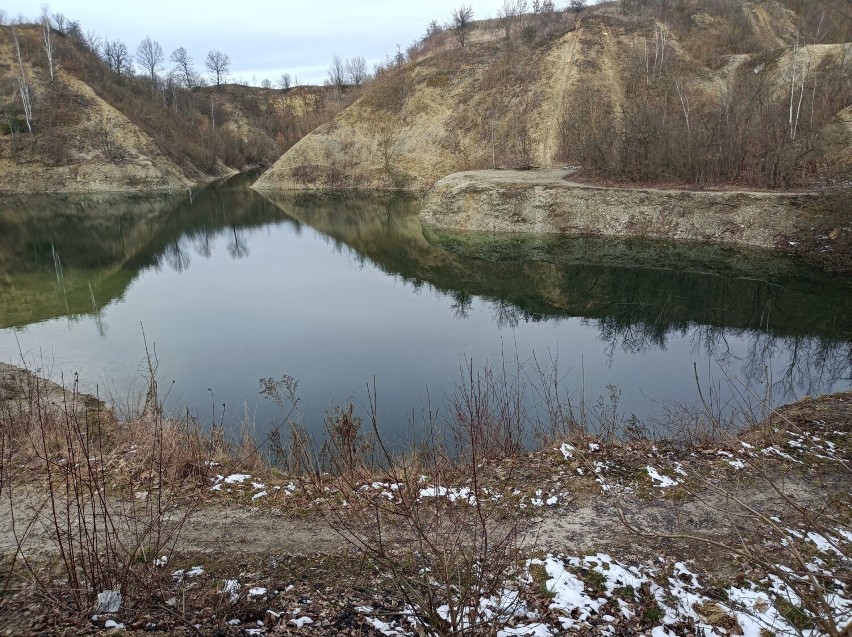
[(112, 503), (451, 553), (789, 540)]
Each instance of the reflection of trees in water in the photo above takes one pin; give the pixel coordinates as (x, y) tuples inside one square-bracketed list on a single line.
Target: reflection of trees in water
[(631, 338), (810, 364), (177, 257), (461, 305), (203, 244), (238, 246), (506, 315)]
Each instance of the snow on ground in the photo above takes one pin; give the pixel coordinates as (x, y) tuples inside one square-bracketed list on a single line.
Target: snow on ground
[(660, 480), (594, 591)]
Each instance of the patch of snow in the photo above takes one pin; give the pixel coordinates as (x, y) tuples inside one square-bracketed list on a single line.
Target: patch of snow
[(659, 480), (301, 622), (824, 544), (237, 478), (256, 591), (529, 630), (261, 494), (384, 627), (567, 450), (232, 588), (111, 623)]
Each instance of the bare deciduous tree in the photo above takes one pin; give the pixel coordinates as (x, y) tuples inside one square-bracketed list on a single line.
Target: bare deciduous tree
[(184, 70), (117, 57), (59, 20), (356, 70), (285, 81), (23, 85), (94, 42), (510, 13), (150, 57), (3, 17), (75, 32), (462, 17), (218, 64), (577, 5), (48, 43), (337, 73), (432, 30)]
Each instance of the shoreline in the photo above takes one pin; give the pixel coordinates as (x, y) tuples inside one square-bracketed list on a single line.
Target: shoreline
[(272, 544), (545, 202)]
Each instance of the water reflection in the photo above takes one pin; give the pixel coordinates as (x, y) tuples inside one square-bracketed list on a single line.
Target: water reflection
[(74, 257), (637, 294)]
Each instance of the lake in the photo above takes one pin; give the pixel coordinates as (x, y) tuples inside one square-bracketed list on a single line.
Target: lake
[(339, 292)]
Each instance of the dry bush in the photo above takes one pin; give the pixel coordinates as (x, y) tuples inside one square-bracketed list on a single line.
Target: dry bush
[(111, 496), (451, 553), (390, 91)]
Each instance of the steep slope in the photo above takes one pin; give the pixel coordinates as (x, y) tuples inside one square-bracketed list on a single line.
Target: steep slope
[(266, 122), (645, 96), (95, 130), (80, 143)]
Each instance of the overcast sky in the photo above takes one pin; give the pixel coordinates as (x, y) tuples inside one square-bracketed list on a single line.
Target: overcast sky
[(264, 38)]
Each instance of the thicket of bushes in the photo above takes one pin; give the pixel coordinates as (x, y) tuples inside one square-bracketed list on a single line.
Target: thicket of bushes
[(764, 128)]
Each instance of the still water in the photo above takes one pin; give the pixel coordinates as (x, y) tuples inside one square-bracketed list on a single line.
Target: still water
[(230, 287)]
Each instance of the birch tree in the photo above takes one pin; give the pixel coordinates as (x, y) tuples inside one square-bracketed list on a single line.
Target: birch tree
[(48, 42), (23, 85)]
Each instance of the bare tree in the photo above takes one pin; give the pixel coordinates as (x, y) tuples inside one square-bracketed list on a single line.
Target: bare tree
[(23, 85), (149, 55), (59, 19), (432, 30), (577, 5), (75, 32), (183, 70), (337, 73), (266, 84), (356, 70), (48, 43), (117, 57), (3, 17), (285, 81), (510, 13), (218, 64), (462, 17), (94, 42)]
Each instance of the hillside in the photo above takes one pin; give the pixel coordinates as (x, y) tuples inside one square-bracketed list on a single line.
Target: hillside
[(690, 93), (95, 130)]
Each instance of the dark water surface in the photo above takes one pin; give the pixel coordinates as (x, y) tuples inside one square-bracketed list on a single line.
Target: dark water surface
[(232, 287)]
